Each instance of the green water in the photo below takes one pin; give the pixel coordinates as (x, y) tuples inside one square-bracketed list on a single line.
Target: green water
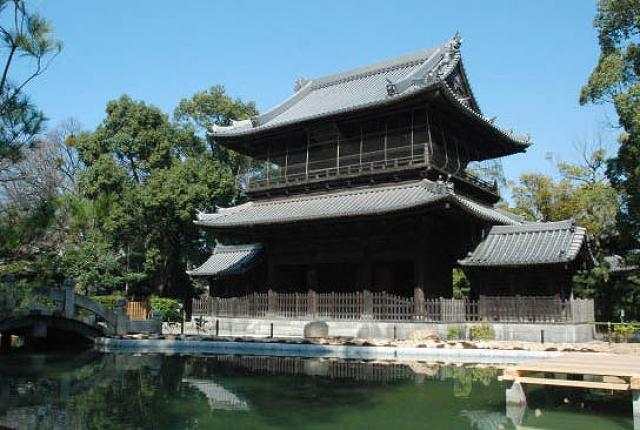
[(121, 391)]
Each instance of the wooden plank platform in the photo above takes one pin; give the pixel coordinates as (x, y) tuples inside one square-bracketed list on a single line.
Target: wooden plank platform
[(624, 368)]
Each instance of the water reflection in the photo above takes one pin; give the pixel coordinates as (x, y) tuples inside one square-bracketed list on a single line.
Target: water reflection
[(102, 391)]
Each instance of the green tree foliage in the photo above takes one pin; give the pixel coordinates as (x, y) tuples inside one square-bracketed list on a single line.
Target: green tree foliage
[(37, 207), (93, 265), (581, 193), (169, 308), (155, 174), (461, 285), (214, 107), (27, 38), (584, 194), (615, 80)]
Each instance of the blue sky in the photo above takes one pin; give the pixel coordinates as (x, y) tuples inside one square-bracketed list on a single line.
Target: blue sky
[(526, 60)]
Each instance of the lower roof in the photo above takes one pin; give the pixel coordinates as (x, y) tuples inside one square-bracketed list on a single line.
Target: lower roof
[(228, 260), (356, 202), (531, 243)]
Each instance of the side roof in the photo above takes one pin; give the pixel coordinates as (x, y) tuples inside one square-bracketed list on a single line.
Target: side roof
[(228, 260), (529, 244), (369, 86), (342, 204)]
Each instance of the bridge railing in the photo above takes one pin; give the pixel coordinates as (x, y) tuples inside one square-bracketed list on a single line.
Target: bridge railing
[(64, 302)]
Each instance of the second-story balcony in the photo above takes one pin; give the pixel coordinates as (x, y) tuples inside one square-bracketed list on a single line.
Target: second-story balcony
[(387, 164)]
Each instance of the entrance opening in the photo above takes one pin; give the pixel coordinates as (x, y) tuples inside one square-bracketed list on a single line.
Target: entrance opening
[(395, 277), (338, 277)]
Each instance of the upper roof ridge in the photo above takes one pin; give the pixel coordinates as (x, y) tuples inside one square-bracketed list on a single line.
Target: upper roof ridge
[(403, 61)]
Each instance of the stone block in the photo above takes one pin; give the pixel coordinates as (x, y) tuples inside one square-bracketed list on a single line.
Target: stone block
[(316, 329)]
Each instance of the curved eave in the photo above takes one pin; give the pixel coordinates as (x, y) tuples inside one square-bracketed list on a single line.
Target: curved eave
[(481, 212), (256, 131), (515, 265), (519, 143), (578, 250), (513, 142)]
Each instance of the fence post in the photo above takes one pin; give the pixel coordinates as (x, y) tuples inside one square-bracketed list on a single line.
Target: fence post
[(444, 310), (272, 302), (312, 304), (418, 303), (367, 301)]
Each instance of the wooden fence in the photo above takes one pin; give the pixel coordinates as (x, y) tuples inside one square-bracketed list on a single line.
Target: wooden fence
[(138, 310), (370, 306)]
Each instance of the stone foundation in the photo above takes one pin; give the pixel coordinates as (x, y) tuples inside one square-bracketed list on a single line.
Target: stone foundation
[(553, 333)]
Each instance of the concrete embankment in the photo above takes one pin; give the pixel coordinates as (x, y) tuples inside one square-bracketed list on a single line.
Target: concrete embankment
[(507, 332), (287, 349)]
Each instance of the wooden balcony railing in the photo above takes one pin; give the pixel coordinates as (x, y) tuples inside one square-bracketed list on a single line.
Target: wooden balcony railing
[(370, 306), (389, 160)]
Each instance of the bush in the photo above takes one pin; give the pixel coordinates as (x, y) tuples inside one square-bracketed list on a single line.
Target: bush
[(170, 308), (107, 301), (454, 332), (622, 331), (482, 332)]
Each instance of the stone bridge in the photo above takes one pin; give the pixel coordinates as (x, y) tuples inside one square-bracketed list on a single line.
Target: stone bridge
[(61, 313)]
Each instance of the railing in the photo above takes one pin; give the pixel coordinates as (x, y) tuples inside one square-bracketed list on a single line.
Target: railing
[(391, 159), (370, 306)]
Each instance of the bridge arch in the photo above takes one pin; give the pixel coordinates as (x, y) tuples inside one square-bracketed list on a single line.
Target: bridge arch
[(34, 326)]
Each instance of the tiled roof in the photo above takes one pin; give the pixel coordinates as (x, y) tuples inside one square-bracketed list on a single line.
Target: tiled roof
[(350, 203), (365, 87), (228, 260), (529, 244), (618, 265)]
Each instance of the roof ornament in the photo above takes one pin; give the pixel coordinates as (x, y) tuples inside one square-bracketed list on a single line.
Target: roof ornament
[(455, 42), (391, 88), (492, 119), (300, 82), (527, 138), (448, 58)]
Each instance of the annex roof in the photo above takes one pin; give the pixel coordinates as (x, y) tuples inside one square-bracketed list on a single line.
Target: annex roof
[(530, 243), (342, 204), (618, 265), (369, 86), (228, 260)]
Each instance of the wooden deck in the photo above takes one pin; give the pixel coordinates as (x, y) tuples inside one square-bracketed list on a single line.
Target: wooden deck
[(580, 370)]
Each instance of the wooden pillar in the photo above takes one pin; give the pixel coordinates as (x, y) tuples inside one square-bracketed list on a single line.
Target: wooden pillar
[(312, 271), (271, 273), (312, 277), (437, 274), (418, 272), (365, 280)]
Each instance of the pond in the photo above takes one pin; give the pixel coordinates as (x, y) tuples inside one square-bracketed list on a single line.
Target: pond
[(150, 391)]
